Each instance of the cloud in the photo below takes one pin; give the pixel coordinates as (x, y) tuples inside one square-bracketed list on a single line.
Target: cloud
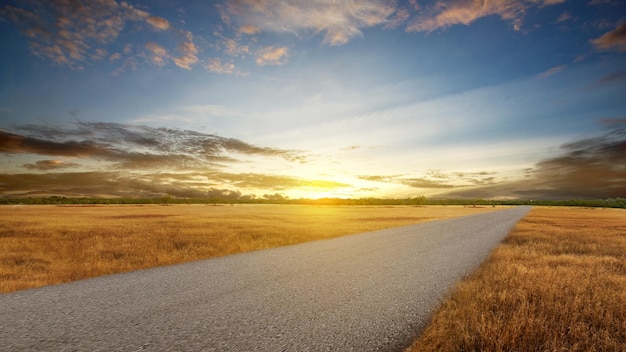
[(189, 57), (158, 23), (216, 65), (436, 179), (68, 32), (158, 53), (272, 56), (11, 143), (134, 147), (124, 184), (250, 30), (46, 165), (75, 33), (615, 77), (141, 161), (337, 21), (591, 168), (443, 15), (615, 39), (551, 71), (233, 48), (564, 17)]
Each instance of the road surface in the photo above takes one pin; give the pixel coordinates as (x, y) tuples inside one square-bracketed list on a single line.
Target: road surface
[(366, 292)]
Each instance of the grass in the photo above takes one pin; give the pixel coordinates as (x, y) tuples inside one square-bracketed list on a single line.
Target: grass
[(557, 283), (43, 245)]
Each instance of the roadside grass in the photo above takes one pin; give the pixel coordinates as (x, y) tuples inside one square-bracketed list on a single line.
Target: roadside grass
[(44, 245), (556, 283)]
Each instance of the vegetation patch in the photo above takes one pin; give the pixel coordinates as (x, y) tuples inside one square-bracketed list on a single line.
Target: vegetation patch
[(555, 284)]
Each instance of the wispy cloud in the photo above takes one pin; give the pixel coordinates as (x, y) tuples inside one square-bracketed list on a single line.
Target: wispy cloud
[(134, 147), (615, 39), (189, 57), (436, 179), (272, 56), (228, 68), (445, 14), (337, 21), (564, 17), (158, 23), (551, 71), (74, 33), (611, 78), (591, 168), (47, 165)]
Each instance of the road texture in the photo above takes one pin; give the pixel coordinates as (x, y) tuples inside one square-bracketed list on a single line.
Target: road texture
[(366, 292)]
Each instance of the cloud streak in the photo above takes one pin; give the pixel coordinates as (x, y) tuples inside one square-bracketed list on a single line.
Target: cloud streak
[(134, 147), (446, 14), (47, 165), (591, 168)]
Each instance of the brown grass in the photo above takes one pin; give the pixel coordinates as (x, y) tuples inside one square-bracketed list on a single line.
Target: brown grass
[(43, 245), (557, 283)]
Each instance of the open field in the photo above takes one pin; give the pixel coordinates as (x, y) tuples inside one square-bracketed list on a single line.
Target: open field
[(43, 245), (557, 283)]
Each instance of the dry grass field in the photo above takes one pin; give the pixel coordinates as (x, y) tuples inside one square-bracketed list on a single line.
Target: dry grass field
[(557, 283), (43, 245)]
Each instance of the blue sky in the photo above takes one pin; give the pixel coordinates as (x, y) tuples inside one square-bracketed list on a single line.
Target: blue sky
[(372, 98)]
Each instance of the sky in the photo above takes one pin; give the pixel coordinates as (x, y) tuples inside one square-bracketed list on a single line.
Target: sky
[(494, 99)]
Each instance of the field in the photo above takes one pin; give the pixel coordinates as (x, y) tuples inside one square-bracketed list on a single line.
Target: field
[(557, 283), (43, 245)]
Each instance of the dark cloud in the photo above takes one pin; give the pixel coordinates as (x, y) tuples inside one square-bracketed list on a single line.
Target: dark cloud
[(46, 165), (593, 168), (437, 179), (411, 182), (615, 39), (134, 147), (424, 183), (616, 77), (11, 143), (101, 184)]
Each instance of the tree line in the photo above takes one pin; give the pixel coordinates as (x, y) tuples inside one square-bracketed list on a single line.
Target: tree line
[(411, 201)]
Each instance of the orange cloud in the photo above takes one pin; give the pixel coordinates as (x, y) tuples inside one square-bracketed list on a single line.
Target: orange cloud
[(615, 39), (339, 21), (189, 56), (444, 15), (159, 54), (272, 56), (71, 33), (250, 30), (216, 65), (158, 23)]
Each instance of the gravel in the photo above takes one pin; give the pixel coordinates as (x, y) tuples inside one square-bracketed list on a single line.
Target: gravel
[(366, 292)]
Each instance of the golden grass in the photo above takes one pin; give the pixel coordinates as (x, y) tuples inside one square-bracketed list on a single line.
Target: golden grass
[(43, 245), (557, 283)]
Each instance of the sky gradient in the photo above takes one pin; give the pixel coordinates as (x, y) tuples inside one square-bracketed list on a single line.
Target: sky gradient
[(313, 98)]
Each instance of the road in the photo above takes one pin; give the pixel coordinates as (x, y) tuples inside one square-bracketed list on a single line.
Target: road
[(366, 292)]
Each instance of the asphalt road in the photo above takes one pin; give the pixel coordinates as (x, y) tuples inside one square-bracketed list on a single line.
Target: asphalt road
[(366, 292)]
